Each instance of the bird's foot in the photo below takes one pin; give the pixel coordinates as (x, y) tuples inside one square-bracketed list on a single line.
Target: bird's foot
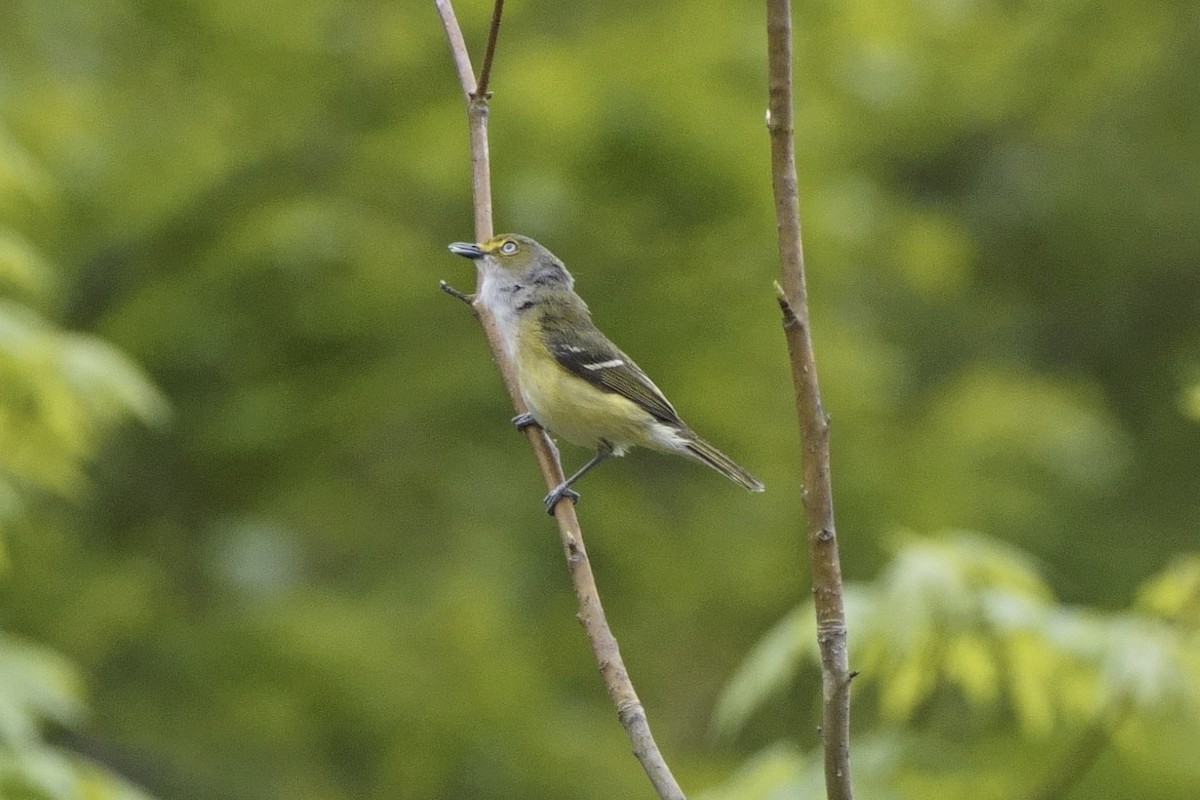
[(523, 421), (559, 492)]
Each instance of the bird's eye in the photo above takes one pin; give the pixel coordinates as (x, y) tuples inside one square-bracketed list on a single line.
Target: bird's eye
[(508, 248)]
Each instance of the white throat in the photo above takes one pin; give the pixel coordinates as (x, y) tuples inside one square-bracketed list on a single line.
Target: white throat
[(497, 293)]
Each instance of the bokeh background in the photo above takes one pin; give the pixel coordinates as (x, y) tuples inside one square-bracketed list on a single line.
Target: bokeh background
[(267, 532)]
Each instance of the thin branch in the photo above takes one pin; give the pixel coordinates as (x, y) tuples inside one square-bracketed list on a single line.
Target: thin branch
[(489, 52), (814, 423), (458, 46), (477, 121), (469, 299), (591, 614)]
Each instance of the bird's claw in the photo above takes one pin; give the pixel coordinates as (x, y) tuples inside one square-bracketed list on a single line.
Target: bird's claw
[(559, 493), (523, 421)]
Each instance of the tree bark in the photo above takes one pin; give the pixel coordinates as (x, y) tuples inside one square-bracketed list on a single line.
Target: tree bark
[(814, 422)]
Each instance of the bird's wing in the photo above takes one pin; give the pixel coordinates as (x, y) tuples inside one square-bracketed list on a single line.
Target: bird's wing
[(595, 359)]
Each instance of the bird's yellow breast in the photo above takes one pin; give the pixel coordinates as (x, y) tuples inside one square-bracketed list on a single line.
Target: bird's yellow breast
[(573, 408)]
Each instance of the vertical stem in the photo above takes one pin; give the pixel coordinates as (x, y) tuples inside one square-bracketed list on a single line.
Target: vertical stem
[(481, 170), (814, 423)]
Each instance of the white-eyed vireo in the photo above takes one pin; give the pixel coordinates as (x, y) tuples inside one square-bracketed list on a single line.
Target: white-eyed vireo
[(575, 382)]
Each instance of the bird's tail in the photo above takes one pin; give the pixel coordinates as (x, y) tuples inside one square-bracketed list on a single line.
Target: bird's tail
[(705, 453)]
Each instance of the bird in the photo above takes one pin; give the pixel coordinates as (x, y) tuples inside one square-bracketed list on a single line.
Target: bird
[(577, 384)]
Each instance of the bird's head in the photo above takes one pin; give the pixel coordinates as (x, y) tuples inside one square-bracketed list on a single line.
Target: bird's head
[(519, 256)]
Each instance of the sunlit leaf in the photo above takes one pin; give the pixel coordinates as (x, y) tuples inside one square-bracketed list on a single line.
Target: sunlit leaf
[(22, 180), (21, 265), (1174, 593), (970, 663), (38, 774), (908, 680), (1030, 669), (60, 395), (1148, 663), (36, 686), (109, 381)]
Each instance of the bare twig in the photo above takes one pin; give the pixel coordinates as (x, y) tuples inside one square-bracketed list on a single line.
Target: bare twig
[(469, 299), (489, 52), (458, 46), (591, 613), (814, 423)]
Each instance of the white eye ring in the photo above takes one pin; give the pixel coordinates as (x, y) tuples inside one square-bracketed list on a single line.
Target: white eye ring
[(508, 248)]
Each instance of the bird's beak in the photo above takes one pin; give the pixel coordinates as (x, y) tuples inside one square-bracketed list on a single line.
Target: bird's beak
[(467, 250)]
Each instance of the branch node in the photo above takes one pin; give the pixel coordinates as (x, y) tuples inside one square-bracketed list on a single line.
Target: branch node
[(782, 297), (791, 319), (827, 637), (630, 708)]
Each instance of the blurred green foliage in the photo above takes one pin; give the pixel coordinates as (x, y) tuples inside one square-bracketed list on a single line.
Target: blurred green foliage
[(959, 641), (327, 575), (61, 396), (38, 688)]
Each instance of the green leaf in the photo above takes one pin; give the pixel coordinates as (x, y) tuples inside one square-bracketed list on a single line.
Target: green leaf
[(107, 380), (1174, 594), (22, 266), (36, 685), (60, 396)]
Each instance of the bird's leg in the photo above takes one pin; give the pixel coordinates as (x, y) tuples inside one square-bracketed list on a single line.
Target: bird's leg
[(523, 420), (564, 488)]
